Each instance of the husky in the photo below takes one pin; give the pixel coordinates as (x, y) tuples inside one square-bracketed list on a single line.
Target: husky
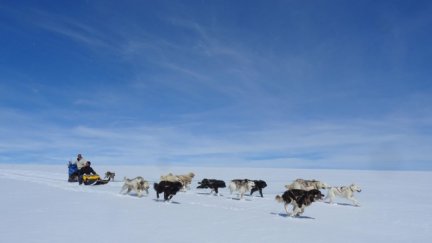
[(344, 192), (110, 175), (307, 185), (213, 184), (259, 185), (300, 199), (168, 188), (186, 179), (241, 186), (138, 184), (169, 177)]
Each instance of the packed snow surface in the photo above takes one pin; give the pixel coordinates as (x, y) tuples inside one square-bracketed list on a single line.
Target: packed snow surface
[(38, 205)]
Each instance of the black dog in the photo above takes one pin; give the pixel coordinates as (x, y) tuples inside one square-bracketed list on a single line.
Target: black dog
[(213, 184), (168, 188), (259, 185), (299, 199)]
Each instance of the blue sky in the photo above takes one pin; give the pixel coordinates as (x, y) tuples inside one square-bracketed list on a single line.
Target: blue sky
[(310, 84)]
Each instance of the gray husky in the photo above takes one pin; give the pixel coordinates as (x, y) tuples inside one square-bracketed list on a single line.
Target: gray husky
[(241, 186), (137, 184)]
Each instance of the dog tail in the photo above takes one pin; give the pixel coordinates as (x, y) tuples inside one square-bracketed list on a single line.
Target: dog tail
[(279, 198)]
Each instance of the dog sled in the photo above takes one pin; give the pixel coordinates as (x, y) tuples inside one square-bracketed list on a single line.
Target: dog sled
[(86, 179)]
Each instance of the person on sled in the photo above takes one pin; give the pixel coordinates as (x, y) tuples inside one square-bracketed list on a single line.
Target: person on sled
[(75, 166), (86, 170), (80, 161)]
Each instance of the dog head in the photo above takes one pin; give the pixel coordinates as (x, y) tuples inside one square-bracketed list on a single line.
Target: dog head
[(144, 185), (355, 188), (260, 184), (204, 183), (315, 195), (177, 186), (319, 185), (324, 185)]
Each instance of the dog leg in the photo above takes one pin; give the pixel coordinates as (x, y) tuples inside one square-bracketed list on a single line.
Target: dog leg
[(260, 191), (330, 196), (296, 211), (123, 189), (302, 210), (286, 209), (352, 199)]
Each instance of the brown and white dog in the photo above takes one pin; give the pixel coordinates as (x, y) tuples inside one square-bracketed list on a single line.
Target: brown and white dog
[(241, 186), (300, 199), (110, 175), (307, 185), (344, 192), (137, 184), (185, 180)]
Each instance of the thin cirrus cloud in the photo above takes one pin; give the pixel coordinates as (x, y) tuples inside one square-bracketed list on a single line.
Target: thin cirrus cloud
[(363, 145)]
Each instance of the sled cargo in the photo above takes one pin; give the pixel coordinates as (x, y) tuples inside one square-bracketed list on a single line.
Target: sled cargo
[(94, 180)]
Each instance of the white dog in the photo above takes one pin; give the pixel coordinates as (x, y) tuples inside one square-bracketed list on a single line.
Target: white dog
[(344, 192), (307, 185), (138, 184), (241, 186)]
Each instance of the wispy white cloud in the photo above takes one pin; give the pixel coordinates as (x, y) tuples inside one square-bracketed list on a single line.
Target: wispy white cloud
[(355, 144)]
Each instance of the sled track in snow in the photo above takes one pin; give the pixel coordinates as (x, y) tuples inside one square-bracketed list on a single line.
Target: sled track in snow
[(51, 179)]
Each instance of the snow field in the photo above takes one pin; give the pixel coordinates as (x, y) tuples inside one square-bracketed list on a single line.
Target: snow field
[(38, 205)]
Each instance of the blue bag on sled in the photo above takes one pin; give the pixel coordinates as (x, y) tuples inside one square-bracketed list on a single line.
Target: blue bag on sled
[(73, 172)]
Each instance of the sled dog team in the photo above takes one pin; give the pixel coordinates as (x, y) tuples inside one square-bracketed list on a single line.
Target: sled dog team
[(299, 194)]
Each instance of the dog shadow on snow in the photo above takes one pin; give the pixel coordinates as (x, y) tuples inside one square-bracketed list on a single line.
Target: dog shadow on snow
[(206, 193), (288, 216), (163, 201), (135, 195), (342, 204), (238, 199)]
